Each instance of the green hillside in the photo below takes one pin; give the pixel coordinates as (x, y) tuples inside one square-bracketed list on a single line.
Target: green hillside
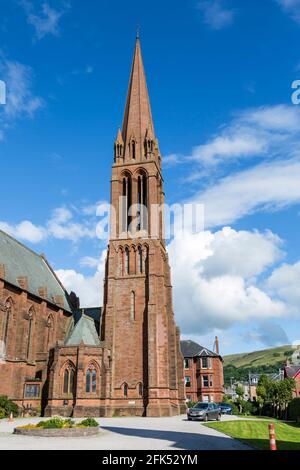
[(264, 361)]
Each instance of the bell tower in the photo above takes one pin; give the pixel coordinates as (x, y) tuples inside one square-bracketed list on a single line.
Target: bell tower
[(138, 325)]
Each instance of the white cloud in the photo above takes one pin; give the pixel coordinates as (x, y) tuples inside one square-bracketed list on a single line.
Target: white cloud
[(285, 281), (46, 20), (271, 186), (88, 288), (215, 14), (217, 292), (20, 100), (263, 132), (292, 8), (25, 231), (61, 225), (89, 262)]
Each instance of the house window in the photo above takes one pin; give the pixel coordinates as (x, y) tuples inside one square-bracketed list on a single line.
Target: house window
[(186, 363), (205, 381), (204, 362), (210, 380), (187, 381), (32, 391), (91, 380), (206, 398)]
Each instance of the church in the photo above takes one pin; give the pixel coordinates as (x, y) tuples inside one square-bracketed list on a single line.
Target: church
[(123, 359)]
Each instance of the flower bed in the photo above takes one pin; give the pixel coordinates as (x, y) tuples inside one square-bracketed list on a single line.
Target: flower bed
[(58, 427)]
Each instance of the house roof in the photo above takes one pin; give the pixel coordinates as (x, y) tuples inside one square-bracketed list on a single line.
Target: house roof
[(191, 349), (292, 371), (83, 331), (21, 262)]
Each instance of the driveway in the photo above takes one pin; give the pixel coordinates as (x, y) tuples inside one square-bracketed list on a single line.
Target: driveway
[(174, 433)]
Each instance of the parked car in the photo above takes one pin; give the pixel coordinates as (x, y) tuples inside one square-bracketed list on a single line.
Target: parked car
[(225, 408), (204, 412)]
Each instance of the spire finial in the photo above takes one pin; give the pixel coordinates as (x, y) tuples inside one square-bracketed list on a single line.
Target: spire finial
[(138, 31)]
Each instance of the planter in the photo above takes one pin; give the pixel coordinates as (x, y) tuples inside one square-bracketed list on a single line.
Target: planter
[(62, 432)]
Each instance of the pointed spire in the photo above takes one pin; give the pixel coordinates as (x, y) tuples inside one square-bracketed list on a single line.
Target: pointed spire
[(137, 117), (119, 139)]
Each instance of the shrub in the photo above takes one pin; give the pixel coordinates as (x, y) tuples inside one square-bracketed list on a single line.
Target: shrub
[(53, 423), (2, 413), (190, 404), (89, 423), (294, 409), (7, 406)]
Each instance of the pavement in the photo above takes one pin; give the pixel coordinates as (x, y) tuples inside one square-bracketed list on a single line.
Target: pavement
[(175, 433)]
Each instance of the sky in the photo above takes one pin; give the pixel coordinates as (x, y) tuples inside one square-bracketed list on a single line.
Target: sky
[(220, 76)]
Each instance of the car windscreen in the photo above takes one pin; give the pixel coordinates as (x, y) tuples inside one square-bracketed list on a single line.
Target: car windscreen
[(201, 406)]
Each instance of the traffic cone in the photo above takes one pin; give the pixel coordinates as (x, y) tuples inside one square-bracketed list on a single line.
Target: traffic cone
[(11, 418), (272, 437)]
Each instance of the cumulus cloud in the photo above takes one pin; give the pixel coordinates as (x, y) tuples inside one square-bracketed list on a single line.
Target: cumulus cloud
[(61, 226), (44, 20), (88, 288), (25, 231), (285, 281), (213, 291), (215, 14)]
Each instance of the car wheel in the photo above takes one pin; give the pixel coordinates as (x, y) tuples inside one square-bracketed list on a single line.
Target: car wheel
[(189, 419), (219, 418), (205, 418)]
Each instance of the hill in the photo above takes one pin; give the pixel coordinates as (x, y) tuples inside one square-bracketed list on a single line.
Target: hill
[(264, 361)]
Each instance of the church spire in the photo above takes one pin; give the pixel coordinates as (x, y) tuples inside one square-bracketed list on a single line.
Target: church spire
[(137, 117)]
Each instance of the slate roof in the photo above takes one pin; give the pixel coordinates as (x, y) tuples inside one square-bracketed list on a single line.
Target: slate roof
[(20, 261), (191, 349), (83, 331), (292, 371)]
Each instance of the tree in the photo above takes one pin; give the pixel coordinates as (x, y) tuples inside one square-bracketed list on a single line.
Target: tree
[(240, 393)]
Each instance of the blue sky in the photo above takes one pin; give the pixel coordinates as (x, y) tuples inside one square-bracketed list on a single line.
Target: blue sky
[(219, 75)]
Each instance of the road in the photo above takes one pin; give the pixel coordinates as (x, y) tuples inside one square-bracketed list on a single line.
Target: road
[(174, 433)]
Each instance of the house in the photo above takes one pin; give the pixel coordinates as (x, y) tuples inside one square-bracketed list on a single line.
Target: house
[(203, 372)]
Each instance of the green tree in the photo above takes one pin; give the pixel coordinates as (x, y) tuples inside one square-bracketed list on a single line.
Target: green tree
[(240, 395)]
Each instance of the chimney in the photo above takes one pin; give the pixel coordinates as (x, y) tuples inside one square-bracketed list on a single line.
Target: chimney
[(42, 292), (216, 346), (59, 300), (23, 282)]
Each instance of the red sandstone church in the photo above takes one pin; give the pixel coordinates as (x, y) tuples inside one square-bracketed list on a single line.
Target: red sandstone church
[(122, 359)]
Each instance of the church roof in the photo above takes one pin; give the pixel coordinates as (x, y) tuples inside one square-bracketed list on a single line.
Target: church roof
[(84, 331), (191, 349), (21, 262), (137, 117)]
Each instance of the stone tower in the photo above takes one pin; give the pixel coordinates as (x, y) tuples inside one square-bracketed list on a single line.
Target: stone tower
[(138, 324)]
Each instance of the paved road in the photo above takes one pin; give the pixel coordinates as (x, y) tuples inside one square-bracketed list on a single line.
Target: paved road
[(127, 434)]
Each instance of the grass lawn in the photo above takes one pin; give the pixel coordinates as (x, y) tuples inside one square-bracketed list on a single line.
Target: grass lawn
[(256, 433)]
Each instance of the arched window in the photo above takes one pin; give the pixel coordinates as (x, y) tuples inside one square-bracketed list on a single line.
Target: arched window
[(125, 390), (142, 200), (31, 315), (133, 147), (69, 380), (132, 306), (140, 389), (140, 259), (121, 262), (127, 261), (91, 380), (7, 318), (126, 202), (146, 259)]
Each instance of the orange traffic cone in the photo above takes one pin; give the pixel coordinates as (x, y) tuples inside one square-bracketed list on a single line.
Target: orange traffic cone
[(272, 437)]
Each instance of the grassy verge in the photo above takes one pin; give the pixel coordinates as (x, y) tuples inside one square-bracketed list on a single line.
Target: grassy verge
[(256, 433)]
